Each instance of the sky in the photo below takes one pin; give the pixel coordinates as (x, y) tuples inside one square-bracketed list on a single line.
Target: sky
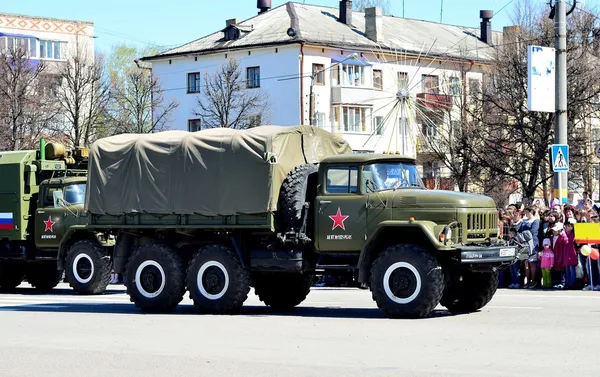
[(172, 24)]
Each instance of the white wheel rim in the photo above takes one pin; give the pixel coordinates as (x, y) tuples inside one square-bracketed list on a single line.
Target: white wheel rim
[(138, 274), (76, 274), (201, 286), (386, 282)]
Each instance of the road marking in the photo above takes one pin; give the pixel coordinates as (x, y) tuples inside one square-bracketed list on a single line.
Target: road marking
[(586, 297)]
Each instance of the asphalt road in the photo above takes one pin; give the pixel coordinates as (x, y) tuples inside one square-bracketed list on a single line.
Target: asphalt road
[(335, 332)]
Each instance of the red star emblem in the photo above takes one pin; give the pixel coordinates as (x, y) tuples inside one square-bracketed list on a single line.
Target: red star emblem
[(338, 220), (49, 224)]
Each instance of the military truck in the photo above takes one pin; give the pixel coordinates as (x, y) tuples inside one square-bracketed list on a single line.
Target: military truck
[(41, 193), (216, 212)]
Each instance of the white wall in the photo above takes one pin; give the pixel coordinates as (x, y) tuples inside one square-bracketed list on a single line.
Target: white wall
[(381, 101), (275, 63)]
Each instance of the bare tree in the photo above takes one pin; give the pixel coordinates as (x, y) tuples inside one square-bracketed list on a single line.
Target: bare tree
[(27, 106), (227, 102), (361, 5), (138, 104), (83, 95), (515, 140)]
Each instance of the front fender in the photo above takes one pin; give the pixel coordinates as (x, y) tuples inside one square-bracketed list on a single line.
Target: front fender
[(427, 229)]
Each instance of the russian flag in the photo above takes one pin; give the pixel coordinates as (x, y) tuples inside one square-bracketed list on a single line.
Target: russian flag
[(6, 221)]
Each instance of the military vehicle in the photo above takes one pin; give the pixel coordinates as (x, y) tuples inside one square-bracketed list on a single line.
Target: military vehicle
[(218, 211), (41, 193)]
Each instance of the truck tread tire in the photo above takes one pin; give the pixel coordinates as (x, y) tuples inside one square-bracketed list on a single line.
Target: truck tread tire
[(406, 281), (217, 281), (11, 276), (294, 193), (155, 280), (43, 276), (474, 292), (96, 282), (282, 291)]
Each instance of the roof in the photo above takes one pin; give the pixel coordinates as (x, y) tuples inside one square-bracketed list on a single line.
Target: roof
[(319, 25), (366, 157), (44, 18)]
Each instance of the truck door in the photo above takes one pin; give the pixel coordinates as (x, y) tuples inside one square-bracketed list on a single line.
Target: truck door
[(340, 211), (49, 219)]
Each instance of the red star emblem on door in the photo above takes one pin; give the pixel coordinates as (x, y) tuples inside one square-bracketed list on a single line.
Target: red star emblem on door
[(49, 224), (338, 220)]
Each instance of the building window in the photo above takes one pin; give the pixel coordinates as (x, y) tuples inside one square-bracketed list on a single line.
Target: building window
[(318, 74), (474, 88), (193, 82), (342, 180), (431, 84), (29, 45), (320, 120), (52, 50), (430, 130), (254, 120), (403, 81), (194, 125), (349, 75), (378, 125), (253, 77), (377, 79), (351, 118), (454, 86)]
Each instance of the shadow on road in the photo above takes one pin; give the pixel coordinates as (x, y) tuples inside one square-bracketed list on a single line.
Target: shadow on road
[(183, 309), (26, 291)]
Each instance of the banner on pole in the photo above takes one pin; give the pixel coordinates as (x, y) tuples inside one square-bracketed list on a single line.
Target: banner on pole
[(541, 82)]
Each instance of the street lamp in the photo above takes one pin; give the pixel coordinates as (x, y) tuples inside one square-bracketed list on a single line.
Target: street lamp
[(311, 106)]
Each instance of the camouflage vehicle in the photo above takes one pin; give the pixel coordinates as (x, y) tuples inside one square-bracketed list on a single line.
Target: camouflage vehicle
[(41, 193), (219, 211)]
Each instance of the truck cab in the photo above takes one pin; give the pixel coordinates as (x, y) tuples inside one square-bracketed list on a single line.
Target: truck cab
[(60, 202)]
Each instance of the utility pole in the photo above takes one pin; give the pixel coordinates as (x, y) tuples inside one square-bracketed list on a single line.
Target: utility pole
[(560, 119), (441, 10)]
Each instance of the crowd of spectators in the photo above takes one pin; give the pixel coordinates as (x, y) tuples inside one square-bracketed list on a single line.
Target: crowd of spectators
[(557, 261)]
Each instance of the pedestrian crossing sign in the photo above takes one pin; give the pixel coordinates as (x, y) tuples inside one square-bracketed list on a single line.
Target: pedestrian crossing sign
[(560, 157)]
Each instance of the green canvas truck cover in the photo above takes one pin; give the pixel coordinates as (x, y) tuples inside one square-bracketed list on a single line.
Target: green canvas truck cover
[(219, 171)]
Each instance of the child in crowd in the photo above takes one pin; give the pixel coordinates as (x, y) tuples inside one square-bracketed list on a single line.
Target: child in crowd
[(559, 244), (570, 254), (546, 257)]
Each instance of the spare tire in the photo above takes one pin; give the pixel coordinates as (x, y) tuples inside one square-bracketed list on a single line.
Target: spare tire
[(299, 186)]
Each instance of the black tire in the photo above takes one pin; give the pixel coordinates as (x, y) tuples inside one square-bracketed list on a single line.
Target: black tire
[(297, 188), (155, 278), (216, 280), (88, 268), (282, 291), (11, 276), (473, 292), (43, 276), (415, 283)]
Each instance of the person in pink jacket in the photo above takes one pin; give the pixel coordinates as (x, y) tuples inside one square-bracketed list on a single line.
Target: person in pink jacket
[(546, 256), (570, 255), (559, 243)]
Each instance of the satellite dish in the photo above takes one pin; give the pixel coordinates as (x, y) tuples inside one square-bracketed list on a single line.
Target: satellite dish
[(291, 32)]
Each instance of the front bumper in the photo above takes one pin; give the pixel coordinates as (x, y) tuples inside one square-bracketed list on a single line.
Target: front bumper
[(499, 255)]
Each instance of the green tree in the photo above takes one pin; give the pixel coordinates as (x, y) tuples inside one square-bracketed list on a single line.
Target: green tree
[(137, 102)]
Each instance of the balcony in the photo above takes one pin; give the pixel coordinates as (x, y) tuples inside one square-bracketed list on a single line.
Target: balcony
[(352, 94), (435, 101)]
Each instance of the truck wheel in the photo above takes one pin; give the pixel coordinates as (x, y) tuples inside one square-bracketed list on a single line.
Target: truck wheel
[(88, 268), (470, 294), (216, 280), (44, 276), (406, 281), (155, 278), (295, 191), (282, 291), (11, 276)]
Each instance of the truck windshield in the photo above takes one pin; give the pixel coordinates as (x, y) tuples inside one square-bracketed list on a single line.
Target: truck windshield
[(74, 194), (390, 175)]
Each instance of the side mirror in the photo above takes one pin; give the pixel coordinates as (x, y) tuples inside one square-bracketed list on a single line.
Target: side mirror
[(58, 199)]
